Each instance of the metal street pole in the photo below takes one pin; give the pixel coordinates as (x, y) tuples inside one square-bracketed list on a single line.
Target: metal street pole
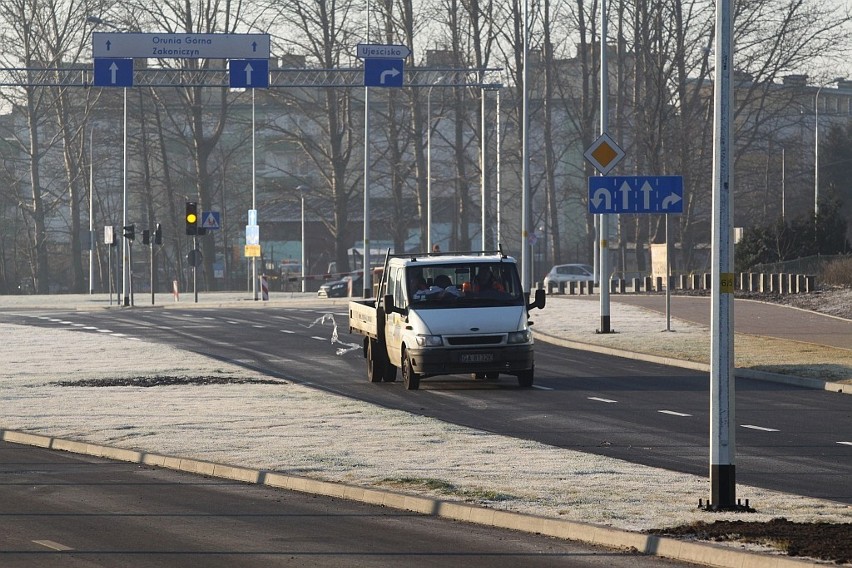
[(526, 247), (482, 92), (367, 279), (253, 195), (92, 239), (816, 151), (302, 189), (604, 219), (125, 244), (722, 422), (497, 180)]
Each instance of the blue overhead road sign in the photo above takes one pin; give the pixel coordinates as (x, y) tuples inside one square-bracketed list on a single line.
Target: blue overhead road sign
[(383, 72), (635, 194), (248, 73), (113, 72)]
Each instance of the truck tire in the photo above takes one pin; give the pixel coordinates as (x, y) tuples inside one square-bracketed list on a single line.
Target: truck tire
[(410, 379), (376, 362), (525, 378), (389, 375)]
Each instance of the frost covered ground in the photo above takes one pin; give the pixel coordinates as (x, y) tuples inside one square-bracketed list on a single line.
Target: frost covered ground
[(198, 411)]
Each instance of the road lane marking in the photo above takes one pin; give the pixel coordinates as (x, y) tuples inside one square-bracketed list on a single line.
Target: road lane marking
[(761, 428), (104, 330), (539, 387), (599, 399), (845, 443), (286, 331), (53, 545), (673, 413), (318, 337)]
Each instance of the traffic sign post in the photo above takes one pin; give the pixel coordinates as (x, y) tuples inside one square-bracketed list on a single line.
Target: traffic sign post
[(636, 194), (383, 72)]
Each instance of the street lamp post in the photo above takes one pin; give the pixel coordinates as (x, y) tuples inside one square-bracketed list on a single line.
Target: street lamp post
[(302, 191), (91, 213)]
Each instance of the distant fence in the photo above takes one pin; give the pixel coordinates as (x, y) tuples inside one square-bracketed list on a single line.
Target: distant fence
[(778, 283)]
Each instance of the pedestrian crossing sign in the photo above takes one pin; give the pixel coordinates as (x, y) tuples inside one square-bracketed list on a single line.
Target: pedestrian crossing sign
[(210, 220)]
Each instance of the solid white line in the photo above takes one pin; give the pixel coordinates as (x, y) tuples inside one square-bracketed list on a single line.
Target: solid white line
[(53, 545), (673, 413), (607, 400), (761, 428)]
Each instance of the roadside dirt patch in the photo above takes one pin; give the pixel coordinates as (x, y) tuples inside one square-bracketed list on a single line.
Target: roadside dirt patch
[(823, 541)]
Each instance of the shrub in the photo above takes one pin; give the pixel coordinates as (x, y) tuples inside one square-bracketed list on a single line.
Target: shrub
[(838, 272)]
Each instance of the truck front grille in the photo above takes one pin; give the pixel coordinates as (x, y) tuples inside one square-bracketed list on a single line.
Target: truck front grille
[(475, 340)]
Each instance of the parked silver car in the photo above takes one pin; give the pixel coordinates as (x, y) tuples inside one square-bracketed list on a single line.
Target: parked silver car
[(569, 273)]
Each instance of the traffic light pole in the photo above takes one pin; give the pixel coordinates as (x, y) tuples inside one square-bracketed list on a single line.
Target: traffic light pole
[(195, 270), (152, 270)]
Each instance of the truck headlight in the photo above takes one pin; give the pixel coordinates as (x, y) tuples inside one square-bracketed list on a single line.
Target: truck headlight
[(429, 341), (519, 337)]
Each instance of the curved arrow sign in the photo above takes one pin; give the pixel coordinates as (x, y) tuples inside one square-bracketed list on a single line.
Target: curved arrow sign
[(635, 194)]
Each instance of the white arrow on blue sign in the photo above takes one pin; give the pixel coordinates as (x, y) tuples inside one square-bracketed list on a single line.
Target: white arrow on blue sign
[(248, 73), (112, 72), (383, 72), (635, 194)]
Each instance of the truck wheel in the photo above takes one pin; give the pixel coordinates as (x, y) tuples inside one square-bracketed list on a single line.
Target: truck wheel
[(478, 376), (410, 379), (389, 375), (525, 378), (375, 362)]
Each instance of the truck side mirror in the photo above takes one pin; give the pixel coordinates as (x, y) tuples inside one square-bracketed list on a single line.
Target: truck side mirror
[(539, 300), (387, 301)]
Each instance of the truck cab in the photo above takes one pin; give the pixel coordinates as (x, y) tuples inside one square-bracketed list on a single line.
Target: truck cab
[(441, 314)]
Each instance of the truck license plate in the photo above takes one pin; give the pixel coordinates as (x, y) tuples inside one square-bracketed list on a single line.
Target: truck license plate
[(477, 357)]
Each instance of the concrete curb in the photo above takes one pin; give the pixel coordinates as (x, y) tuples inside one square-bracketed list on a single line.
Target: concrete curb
[(706, 554), (747, 373)]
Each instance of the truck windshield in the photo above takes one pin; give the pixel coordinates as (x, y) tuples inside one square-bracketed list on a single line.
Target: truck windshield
[(464, 285)]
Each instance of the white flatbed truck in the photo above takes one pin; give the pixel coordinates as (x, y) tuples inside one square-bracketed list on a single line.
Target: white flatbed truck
[(478, 324)]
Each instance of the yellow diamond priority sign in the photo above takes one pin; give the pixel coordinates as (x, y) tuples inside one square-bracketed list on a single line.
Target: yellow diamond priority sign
[(604, 154)]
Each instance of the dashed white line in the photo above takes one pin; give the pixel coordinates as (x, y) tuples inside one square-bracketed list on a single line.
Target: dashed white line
[(539, 387), (673, 413), (319, 338), (104, 330), (52, 545), (599, 399), (286, 331), (90, 327), (761, 428), (845, 443)]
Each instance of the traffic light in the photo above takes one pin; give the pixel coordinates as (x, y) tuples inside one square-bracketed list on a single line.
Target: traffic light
[(130, 232), (191, 218), (146, 237), (158, 235)]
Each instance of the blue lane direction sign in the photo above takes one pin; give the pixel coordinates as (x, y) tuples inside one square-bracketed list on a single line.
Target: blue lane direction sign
[(373, 51), (635, 194), (111, 72), (383, 72), (180, 46), (248, 73)]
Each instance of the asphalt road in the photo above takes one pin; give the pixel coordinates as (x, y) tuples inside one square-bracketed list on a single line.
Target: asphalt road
[(788, 438), (68, 510)]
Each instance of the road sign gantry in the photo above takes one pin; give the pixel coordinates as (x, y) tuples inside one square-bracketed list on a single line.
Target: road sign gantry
[(83, 76)]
